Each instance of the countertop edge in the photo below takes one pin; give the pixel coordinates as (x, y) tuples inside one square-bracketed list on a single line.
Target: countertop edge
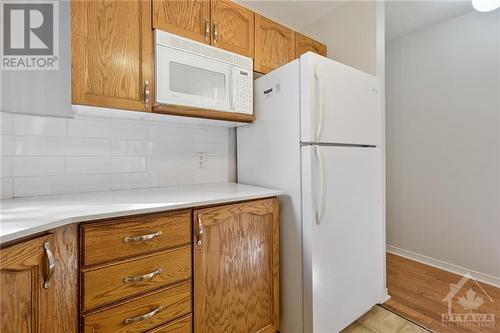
[(25, 233)]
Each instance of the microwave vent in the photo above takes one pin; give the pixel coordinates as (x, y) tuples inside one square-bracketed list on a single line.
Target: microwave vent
[(167, 39)]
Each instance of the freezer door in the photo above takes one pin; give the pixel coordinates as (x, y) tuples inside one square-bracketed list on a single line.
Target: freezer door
[(339, 104), (342, 225)]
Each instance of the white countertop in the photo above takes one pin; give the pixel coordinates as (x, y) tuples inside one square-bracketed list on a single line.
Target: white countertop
[(22, 217)]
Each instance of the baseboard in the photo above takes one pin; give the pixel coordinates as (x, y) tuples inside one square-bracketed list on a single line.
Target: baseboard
[(386, 296), (478, 276)]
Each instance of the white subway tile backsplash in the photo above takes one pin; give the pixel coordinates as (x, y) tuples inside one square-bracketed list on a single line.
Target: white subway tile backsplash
[(171, 133), (112, 129), (7, 188), (61, 146), (33, 186), (170, 163), (214, 149), (108, 164), (219, 135), (6, 165), (203, 176), (38, 166), (162, 148), (7, 145), (215, 162), (44, 155), (142, 180), (6, 123), (131, 181), (38, 125), (133, 148)]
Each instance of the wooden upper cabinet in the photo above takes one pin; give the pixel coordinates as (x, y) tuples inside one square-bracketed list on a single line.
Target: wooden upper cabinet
[(274, 45), (304, 44), (236, 268), (187, 18), (232, 27), (112, 54)]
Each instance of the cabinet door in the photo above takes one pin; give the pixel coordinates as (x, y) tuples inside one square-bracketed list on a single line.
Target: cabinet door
[(112, 54), (274, 45), (304, 44), (25, 304), (187, 18), (236, 268), (232, 27)]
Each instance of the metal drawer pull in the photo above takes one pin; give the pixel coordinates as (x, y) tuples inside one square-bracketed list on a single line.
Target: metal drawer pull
[(143, 237), (200, 231), (143, 317), (147, 93), (216, 34), (207, 29), (144, 277), (51, 264)]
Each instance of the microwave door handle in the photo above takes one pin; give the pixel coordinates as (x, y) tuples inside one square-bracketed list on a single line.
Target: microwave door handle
[(231, 90)]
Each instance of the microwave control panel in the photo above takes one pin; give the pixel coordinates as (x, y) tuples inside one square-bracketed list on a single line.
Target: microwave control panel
[(243, 94)]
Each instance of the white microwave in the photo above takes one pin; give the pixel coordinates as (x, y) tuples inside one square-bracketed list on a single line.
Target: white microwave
[(193, 74)]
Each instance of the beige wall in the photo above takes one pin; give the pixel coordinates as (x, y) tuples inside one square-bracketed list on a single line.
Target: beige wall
[(443, 144), (350, 32)]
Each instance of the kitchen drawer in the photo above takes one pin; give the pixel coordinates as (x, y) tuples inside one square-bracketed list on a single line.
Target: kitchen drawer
[(139, 315), (181, 325), (103, 285), (124, 237)]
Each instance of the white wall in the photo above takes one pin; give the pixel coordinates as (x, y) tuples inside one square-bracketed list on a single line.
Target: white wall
[(350, 33), (49, 155), (443, 143)]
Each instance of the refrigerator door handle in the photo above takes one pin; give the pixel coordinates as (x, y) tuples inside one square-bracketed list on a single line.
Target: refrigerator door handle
[(320, 108), (321, 209)]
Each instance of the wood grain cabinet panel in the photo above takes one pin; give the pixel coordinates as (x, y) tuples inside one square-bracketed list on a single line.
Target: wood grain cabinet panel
[(25, 305), (120, 280), (124, 237), (141, 314), (274, 45), (304, 44), (181, 325), (232, 27), (236, 268), (112, 53), (187, 18)]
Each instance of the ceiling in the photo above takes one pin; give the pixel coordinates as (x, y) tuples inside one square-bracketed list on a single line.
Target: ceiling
[(405, 17), (293, 14)]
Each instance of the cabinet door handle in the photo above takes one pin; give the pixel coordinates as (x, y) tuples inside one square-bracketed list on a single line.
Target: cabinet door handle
[(143, 237), (207, 29), (147, 93), (216, 33), (200, 230), (144, 277), (143, 317), (51, 264)]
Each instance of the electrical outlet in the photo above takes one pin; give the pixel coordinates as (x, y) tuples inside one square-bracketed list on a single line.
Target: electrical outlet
[(202, 160)]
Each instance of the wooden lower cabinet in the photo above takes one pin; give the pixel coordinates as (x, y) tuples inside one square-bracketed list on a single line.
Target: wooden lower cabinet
[(236, 268), (142, 313), (31, 298), (224, 278)]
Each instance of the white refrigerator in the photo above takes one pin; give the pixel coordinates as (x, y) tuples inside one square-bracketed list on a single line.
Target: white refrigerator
[(317, 137)]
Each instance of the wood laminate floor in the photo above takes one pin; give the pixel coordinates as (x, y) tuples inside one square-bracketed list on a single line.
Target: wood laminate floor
[(418, 292)]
